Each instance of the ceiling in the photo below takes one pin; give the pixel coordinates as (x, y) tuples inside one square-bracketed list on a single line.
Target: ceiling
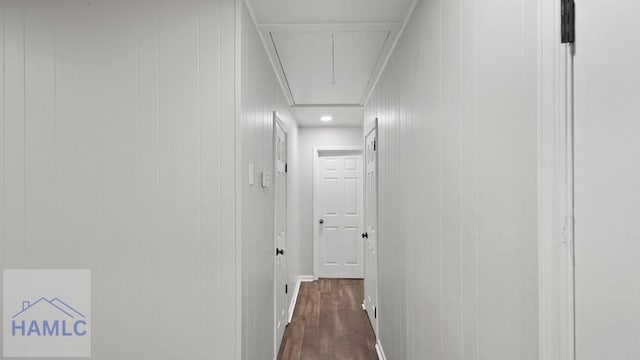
[(328, 67), (330, 11), (329, 53), (342, 116)]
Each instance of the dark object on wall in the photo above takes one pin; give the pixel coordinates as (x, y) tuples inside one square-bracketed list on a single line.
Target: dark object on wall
[(568, 20)]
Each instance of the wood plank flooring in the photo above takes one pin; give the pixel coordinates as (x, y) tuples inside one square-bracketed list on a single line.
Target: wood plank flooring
[(329, 323)]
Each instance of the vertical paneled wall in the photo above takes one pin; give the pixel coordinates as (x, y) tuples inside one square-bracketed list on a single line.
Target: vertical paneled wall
[(607, 200), (457, 184), (117, 155), (261, 95)]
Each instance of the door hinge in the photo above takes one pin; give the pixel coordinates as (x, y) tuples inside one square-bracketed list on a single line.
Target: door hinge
[(375, 144), (286, 288), (286, 167), (375, 312), (568, 21)]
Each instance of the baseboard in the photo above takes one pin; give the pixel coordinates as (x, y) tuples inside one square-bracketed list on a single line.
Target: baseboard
[(379, 350), (294, 296)]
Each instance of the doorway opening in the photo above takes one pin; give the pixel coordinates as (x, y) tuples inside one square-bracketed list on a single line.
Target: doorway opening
[(338, 210)]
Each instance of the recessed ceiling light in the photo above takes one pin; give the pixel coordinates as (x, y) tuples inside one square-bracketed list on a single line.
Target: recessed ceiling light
[(326, 118)]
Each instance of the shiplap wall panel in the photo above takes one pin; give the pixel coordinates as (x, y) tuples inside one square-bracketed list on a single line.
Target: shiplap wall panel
[(607, 200), (148, 127), (261, 94), (452, 191), (210, 173), (40, 126), (469, 170), (179, 177), (14, 133), (228, 250), (118, 155), (2, 142), (457, 167), (469, 166)]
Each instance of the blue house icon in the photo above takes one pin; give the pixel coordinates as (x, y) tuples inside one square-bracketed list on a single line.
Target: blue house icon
[(55, 303)]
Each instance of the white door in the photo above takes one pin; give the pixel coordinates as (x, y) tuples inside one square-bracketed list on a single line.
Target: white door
[(280, 226), (607, 179), (371, 229), (338, 216)]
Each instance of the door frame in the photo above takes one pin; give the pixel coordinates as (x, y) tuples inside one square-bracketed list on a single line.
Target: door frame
[(277, 121), (373, 126), (319, 151), (556, 308)]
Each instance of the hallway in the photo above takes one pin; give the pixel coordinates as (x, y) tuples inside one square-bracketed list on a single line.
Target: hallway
[(175, 173), (329, 323)]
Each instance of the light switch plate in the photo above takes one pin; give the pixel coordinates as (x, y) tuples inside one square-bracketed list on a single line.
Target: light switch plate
[(266, 179)]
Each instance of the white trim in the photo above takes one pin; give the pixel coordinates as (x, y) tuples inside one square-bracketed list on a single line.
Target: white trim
[(380, 351), (339, 27), (394, 44), (278, 122), (393, 29), (296, 291), (317, 150), (555, 189), (238, 171), (267, 49), (371, 128), (277, 119), (343, 105)]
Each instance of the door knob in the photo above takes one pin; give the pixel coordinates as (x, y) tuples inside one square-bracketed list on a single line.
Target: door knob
[(321, 221), (365, 236), (279, 251)]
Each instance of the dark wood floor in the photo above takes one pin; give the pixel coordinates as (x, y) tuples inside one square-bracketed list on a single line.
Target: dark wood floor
[(329, 323)]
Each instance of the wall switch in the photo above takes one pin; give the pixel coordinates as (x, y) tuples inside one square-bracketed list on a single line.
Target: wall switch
[(251, 177), (266, 179)]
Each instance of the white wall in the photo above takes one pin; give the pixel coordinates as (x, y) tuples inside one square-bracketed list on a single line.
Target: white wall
[(310, 138), (261, 95), (117, 155), (294, 194), (457, 173), (607, 175)]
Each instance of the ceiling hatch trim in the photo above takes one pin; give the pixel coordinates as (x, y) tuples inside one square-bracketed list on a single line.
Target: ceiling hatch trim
[(327, 106), (281, 73), (359, 75)]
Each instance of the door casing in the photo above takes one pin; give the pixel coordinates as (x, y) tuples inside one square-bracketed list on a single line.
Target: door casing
[(372, 130), (278, 123), (555, 188), (317, 153)]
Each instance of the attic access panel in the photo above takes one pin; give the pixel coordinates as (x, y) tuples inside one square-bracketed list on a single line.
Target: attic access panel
[(312, 60)]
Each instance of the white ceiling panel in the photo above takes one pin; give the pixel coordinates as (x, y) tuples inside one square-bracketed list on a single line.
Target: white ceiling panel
[(311, 60), (297, 36), (342, 116), (329, 11)]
